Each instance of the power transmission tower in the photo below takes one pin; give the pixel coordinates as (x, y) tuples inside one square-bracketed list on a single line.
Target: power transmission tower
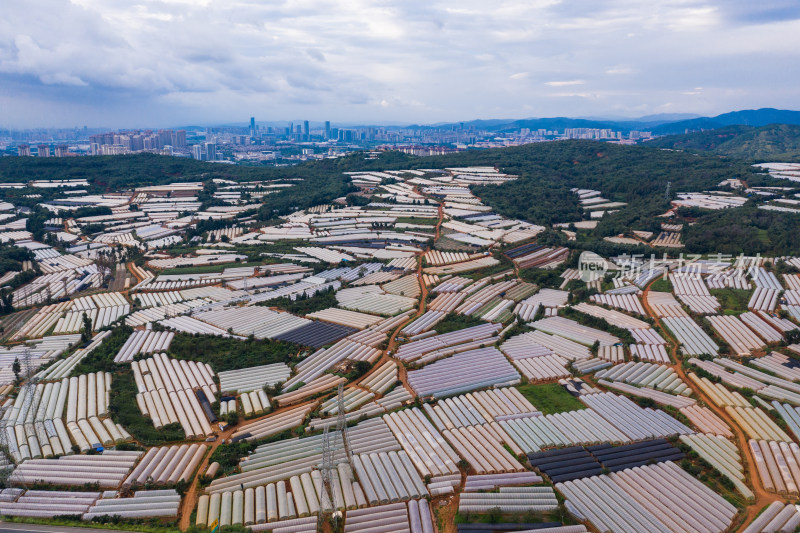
[(31, 379), (331, 445), (341, 427), (326, 502)]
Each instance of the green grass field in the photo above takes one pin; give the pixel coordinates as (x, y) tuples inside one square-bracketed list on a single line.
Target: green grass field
[(417, 220), (550, 398), (207, 269), (454, 322), (733, 301), (661, 285)]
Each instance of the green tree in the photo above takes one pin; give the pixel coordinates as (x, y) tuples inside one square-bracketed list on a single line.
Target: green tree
[(793, 336), (6, 302), (86, 330)]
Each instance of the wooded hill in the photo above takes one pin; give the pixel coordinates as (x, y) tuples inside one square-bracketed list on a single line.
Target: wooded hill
[(547, 171), (321, 181), (775, 142)]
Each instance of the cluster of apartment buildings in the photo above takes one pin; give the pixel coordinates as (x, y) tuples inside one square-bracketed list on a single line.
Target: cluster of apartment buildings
[(263, 142)]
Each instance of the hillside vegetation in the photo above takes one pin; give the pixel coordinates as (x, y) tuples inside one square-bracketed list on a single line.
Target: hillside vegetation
[(121, 171), (637, 175), (775, 142), (319, 183), (745, 117), (542, 195), (746, 229), (634, 174)]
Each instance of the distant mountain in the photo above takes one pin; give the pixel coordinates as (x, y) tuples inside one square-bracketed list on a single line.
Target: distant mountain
[(668, 117), (674, 123), (649, 120), (705, 141), (759, 117), (750, 117), (550, 123), (774, 142), (555, 123), (661, 124), (479, 124)]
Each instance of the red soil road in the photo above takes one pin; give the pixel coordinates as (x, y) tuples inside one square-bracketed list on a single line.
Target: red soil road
[(189, 501), (762, 497)]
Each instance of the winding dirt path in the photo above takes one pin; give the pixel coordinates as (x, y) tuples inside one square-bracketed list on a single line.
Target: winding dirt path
[(392, 344), (133, 271), (762, 497), (439, 222), (189, 501)]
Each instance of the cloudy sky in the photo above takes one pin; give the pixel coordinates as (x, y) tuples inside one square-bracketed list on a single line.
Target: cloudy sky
[(172, 62)]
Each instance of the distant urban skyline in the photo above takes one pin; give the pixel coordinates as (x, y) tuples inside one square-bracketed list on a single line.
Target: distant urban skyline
[(178, 62), (244, 122), (293, 142)]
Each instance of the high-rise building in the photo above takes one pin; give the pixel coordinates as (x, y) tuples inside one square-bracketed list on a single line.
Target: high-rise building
[(211, 151), (327, 129), (306, 130), (162, 138), (252, 125), (197, 152), (179, 139), (43, 150), (24, 149)]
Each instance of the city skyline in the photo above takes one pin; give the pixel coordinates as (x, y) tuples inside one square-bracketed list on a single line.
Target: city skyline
[(172, 63)]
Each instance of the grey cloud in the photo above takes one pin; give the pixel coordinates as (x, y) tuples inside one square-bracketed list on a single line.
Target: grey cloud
[(759, 12), (315, 54), (408, 60)]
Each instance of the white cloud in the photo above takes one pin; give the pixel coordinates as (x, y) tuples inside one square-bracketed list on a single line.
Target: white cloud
[(220, 60), (62, 78), (620, 70), (564, 83)]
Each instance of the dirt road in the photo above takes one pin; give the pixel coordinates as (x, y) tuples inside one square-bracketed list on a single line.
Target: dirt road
[(762, 497), (189, 501), (392, 344)]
